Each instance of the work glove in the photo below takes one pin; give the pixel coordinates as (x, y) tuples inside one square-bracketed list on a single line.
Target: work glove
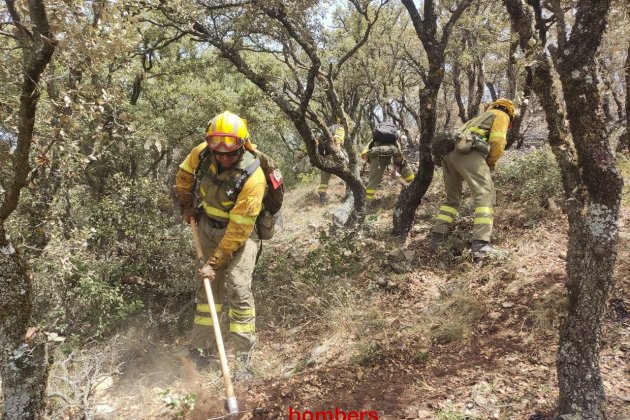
[(220, 258), (187, 214), (207, 272)]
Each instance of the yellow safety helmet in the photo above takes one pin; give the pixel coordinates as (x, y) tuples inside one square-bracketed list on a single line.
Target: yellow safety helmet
[(226, 132), (504, 105)]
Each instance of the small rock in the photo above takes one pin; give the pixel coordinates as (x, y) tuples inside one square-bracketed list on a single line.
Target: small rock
[(55, 337), (294, 330), (401, 268), (103, 383), (381, 282), (396, 255), (103, 409), (409, 255), (507, 304), (104, 412), (480, 401), (411, 413)]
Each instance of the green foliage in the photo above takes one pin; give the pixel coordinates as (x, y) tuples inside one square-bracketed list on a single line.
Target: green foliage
[(182, 404), (534, 176), (450, 413), (309, 177), (74, 297), (126, 253), (135, 223), (336, 256)]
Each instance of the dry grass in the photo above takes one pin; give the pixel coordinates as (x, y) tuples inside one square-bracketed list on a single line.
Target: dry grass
[(550, 310), (456, 318)]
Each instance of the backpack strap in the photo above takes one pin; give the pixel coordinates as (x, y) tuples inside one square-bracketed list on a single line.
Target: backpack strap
[(234, 190), (204, 156)]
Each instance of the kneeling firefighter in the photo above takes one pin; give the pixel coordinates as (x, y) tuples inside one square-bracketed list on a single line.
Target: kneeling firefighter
[(205, 181), (379, 153), (469, 154)]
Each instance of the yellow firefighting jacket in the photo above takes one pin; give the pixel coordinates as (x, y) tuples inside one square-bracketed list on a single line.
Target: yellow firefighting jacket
[(339, 135), (239, 214), (492, 126)]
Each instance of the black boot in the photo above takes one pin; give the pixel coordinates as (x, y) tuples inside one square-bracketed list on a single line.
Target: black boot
[(204, 358), (243, 367)]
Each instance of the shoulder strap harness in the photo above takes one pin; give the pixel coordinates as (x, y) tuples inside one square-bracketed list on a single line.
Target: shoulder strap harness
[(234, 186)]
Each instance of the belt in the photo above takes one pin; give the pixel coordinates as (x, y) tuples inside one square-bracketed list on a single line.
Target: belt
[(215, 223)]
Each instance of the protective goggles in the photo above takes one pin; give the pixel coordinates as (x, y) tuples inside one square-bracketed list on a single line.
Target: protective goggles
[(224, 142)]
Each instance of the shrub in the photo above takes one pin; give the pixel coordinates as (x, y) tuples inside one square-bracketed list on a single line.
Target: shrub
[(534, 176), (127, 252)]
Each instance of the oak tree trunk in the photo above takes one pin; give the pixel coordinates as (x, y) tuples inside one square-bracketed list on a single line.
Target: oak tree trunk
[(593, 232), (411, 197), (23, 362), (592, 185), (624, 141), (435, 47)]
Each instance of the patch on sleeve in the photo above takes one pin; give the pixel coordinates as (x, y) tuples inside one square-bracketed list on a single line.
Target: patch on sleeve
[(254, 205), (276, 178)]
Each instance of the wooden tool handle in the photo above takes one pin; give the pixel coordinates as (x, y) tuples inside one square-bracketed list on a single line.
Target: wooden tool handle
[(229, 389)]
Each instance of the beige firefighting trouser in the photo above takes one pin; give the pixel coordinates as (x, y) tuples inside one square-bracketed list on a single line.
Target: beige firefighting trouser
[(378, 165), (237, 279), (472, 168), (324, 180)]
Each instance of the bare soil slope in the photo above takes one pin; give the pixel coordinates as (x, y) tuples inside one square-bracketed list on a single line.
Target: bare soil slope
[(399, 332)]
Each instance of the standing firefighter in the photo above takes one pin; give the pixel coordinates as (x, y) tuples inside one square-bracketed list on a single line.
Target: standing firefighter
[(380, 152), (474, 150), (206, 182), (338, 135)]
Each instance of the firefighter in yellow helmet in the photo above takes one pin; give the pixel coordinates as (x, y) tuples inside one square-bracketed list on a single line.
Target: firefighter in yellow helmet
[(480, 143), (205, 183)]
